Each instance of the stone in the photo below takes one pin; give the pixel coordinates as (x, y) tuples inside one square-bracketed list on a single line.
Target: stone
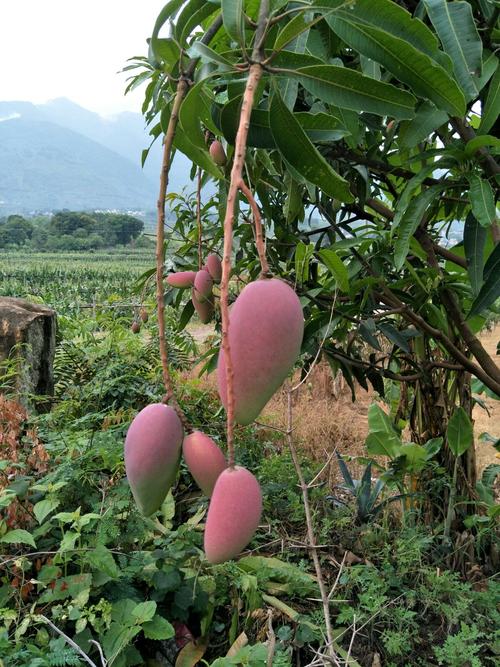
[(28, 330)]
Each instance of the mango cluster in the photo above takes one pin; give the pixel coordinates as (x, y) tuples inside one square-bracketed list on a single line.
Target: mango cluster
[(265, 334), (152, 453), (201, 284)]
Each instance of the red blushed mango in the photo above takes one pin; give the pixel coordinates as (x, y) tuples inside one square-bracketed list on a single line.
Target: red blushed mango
[(203, 284), (266, 326), (204, 460), (152, 452), (233, 514), (218, 153), (181, 279), (214, 267), (205, 310)]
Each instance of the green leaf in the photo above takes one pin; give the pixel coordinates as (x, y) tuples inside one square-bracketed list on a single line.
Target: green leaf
[(166, 13), (474, 240), (379, 443), (336, 267), (492, 265), (398, 22), (490, 291), (482, 200), (207, 54), (303, 254), (379, 421), (198, 156), (44, 507), (349, 89), (18, 536), (491, 107), (454, 24), (459, 433), (296, 147), (192, 15), (187, 313), (195, 110), (158, 629), (410, 221), (409, 192), (144, 612), (320, 126), (427, 119), (259, 130), (166, 49), (478, 142), (101, 559), (415, 456), (302, 21), (408, 64), (394, 336), (234, 20)]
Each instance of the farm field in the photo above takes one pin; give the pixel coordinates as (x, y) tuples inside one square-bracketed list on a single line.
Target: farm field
[(104, 373), (67, 281)]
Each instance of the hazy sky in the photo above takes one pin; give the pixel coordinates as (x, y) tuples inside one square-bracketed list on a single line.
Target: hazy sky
[(73, 48)]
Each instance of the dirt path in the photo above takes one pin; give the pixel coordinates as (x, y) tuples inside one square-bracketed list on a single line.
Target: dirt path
[(487, 422), (323, 422)]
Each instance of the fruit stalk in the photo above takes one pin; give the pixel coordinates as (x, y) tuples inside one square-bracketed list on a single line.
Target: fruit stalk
[(254, 75), (182, 88), (259, 236), (198, 218)]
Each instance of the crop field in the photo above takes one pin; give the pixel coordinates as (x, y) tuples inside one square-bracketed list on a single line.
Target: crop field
[(68, 281)]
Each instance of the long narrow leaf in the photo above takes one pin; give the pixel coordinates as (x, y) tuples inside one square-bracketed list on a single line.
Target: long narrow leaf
[(457, 31), (296, 147), (474, 240), (409, 65), (349, 89)]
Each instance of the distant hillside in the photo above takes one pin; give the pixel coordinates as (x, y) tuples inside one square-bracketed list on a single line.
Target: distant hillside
[(47, 167), (60, 155)]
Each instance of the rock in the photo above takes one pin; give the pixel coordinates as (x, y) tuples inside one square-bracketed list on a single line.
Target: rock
[(31, 327)]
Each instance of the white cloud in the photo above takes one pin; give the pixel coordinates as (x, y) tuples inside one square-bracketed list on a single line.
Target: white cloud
[(62, 48)]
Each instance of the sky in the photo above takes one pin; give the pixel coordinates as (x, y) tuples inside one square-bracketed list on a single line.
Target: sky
[(74, 49)]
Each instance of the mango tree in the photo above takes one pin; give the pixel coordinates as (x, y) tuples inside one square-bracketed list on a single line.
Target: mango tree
[(360, 133)]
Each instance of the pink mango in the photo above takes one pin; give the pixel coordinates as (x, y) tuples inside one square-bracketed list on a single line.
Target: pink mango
[(266, 326), (204, 460), (218, 153), (214, 267), (203, 284), (204, 309), (152, 452), (181, 279), (233, 514)]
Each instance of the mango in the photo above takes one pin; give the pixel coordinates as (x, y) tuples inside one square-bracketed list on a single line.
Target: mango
[(266, 326), (214, 267), (203, 284), (204, 460), (152, 452), (233, 514), (204, 309), (218, 153), (181, 279)]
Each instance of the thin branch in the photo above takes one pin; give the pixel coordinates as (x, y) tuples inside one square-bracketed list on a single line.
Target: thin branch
[(182, 88), (310, 530), (68, 640)]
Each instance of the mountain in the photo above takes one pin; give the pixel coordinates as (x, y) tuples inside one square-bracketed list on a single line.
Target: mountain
[(60, 155)]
